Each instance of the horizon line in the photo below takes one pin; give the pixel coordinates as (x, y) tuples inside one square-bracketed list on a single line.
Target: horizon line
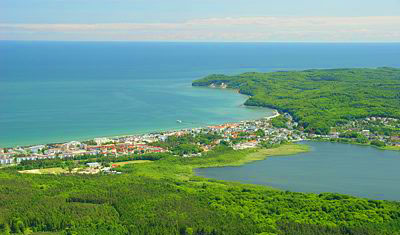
[(199, 41)]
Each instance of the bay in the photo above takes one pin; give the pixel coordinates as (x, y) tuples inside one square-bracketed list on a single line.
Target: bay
[(61, 91)]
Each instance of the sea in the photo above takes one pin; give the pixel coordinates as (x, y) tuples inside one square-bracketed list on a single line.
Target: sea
[(61, 91)]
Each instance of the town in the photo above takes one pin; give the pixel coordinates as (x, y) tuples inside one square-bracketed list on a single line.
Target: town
[(266, 132)]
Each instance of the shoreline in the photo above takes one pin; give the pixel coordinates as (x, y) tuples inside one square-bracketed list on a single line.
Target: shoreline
[(385, 148), (275, 113), (260, 154), (264, 155), (225, 86), (185, 168), (162, 130)]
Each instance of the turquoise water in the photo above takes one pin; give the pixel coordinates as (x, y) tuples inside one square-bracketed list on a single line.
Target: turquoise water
[(60, 111), (60, 91), (330, 167)]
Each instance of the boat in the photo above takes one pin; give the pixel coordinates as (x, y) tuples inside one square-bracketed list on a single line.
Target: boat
[(179, 121)]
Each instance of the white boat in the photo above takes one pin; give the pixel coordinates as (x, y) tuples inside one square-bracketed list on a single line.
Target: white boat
[(179, 121)]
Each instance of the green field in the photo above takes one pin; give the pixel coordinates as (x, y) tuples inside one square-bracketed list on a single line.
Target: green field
[(45, 233), (132, 162), (56, 170), (391, 148)]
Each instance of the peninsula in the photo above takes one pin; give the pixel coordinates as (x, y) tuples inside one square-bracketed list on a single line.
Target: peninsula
[(359, 105)]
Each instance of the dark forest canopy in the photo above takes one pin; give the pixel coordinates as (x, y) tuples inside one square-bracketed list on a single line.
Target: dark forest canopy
[(320, 98), (164, 197)]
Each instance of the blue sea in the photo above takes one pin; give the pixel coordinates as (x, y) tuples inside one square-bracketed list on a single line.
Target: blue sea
[(61, 91)]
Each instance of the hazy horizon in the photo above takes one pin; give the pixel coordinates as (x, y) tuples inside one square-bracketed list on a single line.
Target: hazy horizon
[(204, 21)]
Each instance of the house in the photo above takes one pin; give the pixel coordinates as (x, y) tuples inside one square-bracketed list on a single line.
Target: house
[(4, 161), (245, 145), (365, 132), (71, 145), (395, 140), (36, 148), (93, 164), (100, 141)]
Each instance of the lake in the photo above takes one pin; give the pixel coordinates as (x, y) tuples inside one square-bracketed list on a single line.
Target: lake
[(329, 167), (62, 91)]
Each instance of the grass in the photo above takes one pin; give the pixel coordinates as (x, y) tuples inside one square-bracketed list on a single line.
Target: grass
[(391, 148), (132, 162), (261, 154), (240, 157), (59, 170), (51, 171), (395, 148), (54, 171), (183, 168), (178, 168), (46, 233)]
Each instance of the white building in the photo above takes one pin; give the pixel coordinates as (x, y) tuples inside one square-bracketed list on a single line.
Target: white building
[(93, 164), (36, 148), (4, 161), (71, 145), (100, 141)]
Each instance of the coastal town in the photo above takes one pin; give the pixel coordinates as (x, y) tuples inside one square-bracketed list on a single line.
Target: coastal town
[(266, 132)]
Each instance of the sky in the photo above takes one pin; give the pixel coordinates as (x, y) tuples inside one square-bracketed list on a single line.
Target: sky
[(201, 20)]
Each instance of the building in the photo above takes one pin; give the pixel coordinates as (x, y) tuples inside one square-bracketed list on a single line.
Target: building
[(365, 132), (37, 148), (93, 164), (72, 145), (5, 161), (100, 141)]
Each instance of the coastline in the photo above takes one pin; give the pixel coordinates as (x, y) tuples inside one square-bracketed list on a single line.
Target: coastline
[(259, 154), (277, 110), (159, 130), (385, 148), (185, 168), (326, 161), (167, 130)]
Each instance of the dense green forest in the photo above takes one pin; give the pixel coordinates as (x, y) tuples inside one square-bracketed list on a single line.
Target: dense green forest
[(164, 197), (83, 159), (320, 99)]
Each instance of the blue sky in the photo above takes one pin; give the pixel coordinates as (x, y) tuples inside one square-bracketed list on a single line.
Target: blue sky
[(201, 20)]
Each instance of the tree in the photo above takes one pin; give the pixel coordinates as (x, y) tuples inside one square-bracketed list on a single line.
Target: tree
[(17, 226), (260, 133), (5, 229), (362, 139), (378, 143), (70, 168)]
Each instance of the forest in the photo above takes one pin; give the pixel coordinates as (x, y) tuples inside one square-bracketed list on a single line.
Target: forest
[(320, 98), (165, 197)]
